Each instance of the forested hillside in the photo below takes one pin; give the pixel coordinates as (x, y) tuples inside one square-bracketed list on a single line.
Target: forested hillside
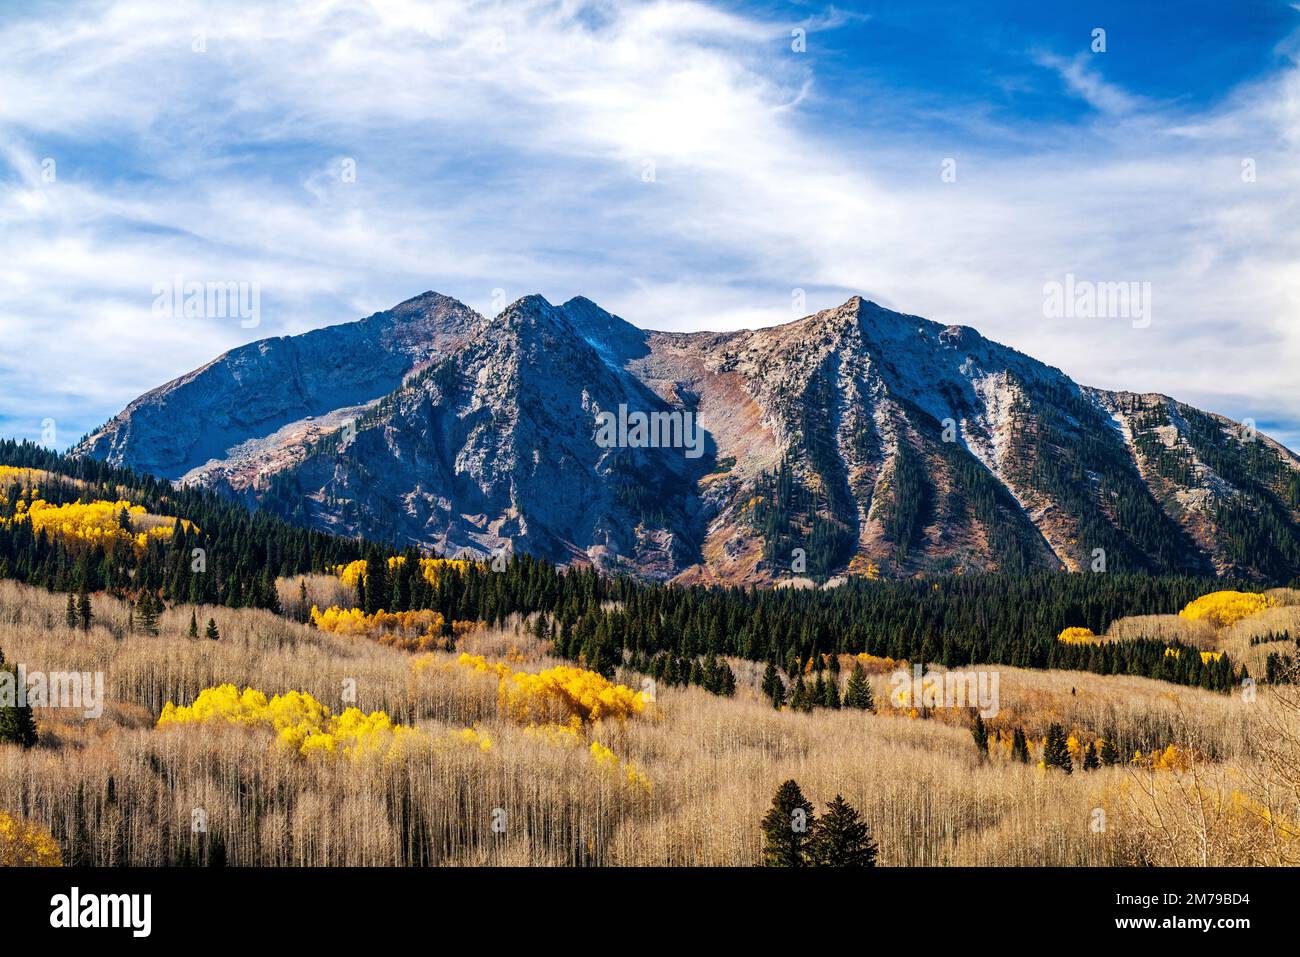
[(204, 549)]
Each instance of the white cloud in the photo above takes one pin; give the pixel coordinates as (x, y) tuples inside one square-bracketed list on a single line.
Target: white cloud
[(503, 145), (1082, 79)]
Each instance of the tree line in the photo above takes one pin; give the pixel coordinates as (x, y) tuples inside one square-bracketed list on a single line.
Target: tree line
[(605, 622)]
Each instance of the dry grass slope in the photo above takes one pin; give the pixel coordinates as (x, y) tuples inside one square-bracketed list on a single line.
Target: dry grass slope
[(118, 790)]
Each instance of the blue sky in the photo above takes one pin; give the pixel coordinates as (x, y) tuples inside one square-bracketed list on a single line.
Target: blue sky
[(504, 149)]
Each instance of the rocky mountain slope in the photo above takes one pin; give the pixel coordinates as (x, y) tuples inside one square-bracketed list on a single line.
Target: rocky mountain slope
[(855, 441)]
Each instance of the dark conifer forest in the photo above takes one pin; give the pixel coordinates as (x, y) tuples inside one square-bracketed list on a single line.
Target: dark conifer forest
[(677, 633)]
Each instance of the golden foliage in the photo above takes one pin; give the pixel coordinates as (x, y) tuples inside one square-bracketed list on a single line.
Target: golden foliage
[(408, 630), (1223, 608), (581, 698), (861, 566), (25, 844), (566, 735), (97, 523), (1172, 758), (351, 573), (874, 665), (1200, 819), (606, 758), (566, 690), (431, 568), (303, 725), (27, 480), (1077, 636), (1277, 825)]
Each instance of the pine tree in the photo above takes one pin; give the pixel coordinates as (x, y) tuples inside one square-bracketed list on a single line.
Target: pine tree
[(840, 838), (1109, 754), (801, 698), (1020, 746), (212, 634), (770, 678), (378, 590), (981, 735), (1091, 756), (84, 612), (726, 680), (268, 597), (194, 625), (831, 694), (1056, 753), (786, 827), (778, 693), (17, 723), (146, 612), (70, 613), (857, 693)]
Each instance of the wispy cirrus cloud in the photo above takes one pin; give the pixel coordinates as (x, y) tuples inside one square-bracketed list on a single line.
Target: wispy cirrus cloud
[(676, 161)]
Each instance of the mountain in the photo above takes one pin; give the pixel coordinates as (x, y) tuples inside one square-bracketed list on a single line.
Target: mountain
[(854, 441)]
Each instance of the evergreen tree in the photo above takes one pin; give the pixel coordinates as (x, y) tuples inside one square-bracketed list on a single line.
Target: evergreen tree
[(778, 693), (1020, 746), (378, 590), (17, 723), (194, 624), (70, 613), (1056, 753), (770, 678), (787, 827), (725, 680), (981, 735), (267, 596), (801, 699), (146, 613), (1108, 753), (857, 693), (1092, 757), (840, 838), (831, 695), (85, 613), (212, 634)]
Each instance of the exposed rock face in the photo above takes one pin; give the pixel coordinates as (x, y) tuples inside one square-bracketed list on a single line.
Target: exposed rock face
[(252, 391), (857, 440)]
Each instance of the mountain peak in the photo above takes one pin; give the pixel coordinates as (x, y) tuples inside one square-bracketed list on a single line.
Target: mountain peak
[(866, 436), (616, 339), (426, 304), (532, 301)]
